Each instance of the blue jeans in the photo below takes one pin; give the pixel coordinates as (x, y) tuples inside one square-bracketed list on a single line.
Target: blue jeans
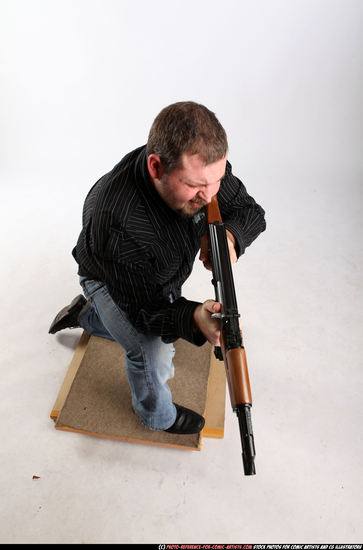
[(148, 360)]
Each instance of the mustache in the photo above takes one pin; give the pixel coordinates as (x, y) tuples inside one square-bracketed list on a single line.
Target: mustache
[(199, 201)]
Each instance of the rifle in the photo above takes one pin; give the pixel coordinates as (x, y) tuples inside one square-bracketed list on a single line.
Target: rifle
[(231, 351)]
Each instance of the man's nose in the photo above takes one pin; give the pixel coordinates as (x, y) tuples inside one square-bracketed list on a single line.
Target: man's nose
[(205, 194)]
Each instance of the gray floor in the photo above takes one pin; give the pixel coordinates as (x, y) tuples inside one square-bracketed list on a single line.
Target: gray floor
[(300, 296), (299, 289)]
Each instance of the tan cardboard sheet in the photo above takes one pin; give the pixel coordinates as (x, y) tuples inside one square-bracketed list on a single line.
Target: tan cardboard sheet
[(95, 396)]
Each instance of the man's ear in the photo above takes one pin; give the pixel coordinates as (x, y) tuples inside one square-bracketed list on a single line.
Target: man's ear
[(155, 166)]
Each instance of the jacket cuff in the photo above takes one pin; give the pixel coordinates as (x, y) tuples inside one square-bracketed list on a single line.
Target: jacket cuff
[(235, 229), (184, 322)]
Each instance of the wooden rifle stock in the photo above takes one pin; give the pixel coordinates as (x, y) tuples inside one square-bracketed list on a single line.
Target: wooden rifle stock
[(232, 351)]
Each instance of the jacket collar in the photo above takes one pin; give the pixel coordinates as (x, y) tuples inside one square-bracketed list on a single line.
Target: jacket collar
[(158, 211)]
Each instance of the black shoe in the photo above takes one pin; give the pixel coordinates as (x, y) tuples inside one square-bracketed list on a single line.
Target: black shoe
[(68, 316), (186, 422)]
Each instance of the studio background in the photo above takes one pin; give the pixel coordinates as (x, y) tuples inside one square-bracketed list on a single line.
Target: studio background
[(81, 82)]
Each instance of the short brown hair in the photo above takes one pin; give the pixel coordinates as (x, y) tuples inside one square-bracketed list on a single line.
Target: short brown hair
[(186, 127)]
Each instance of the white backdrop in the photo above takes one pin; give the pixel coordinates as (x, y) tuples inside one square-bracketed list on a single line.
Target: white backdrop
[(81, 82)]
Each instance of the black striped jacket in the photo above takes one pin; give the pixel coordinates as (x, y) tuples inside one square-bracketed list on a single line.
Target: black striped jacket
[(144, 251)]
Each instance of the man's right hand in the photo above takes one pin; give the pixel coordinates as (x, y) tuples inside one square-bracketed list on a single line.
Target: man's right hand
[(206, 323)]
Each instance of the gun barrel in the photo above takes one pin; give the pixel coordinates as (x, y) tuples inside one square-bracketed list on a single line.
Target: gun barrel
[(247, 439), (232, 350)]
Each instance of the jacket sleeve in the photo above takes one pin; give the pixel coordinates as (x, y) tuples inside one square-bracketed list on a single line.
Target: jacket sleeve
[(129, 274), (242, 216)]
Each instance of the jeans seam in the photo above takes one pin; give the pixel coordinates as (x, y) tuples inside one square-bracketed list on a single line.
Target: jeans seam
[(148, 379)]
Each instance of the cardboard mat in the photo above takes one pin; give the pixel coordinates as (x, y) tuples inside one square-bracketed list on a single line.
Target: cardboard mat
[(95, 396)]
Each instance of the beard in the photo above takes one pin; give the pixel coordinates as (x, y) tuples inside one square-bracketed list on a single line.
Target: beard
[(188, 210)]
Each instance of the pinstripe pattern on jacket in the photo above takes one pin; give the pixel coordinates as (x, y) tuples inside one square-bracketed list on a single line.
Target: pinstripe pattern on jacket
[(144, 251)]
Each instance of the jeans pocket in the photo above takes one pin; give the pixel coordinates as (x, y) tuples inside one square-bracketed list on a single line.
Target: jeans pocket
[(90, 287)]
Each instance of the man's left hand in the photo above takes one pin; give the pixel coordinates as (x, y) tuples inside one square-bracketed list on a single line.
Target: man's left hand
[(204, 256)]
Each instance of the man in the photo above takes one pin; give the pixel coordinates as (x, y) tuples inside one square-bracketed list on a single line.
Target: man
[(143, 224)]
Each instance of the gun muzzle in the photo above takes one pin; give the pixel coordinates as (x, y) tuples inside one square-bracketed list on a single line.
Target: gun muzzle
[(247, 439)]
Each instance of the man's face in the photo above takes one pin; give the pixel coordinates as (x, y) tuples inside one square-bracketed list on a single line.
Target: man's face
[(187, 189)]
